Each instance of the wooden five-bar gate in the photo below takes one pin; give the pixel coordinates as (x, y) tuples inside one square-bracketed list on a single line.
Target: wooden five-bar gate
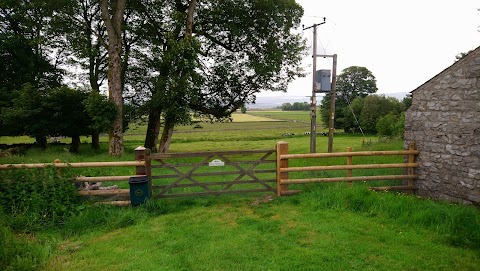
[(246, 171), (211, 173)]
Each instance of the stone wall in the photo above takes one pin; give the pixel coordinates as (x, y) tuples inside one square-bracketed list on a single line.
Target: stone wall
[(444, 123)]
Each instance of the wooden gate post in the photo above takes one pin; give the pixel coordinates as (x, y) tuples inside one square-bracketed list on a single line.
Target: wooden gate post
[(282, 148), (140, 156)]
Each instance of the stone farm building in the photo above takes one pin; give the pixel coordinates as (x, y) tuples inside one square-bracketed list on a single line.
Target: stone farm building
[(444, 123)]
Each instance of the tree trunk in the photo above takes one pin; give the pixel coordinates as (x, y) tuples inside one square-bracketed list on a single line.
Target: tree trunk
[(189, 26), (75, 146), (113, 19), (96, 140), (166, 136), (169, 125), (41, 141), (153, 129)]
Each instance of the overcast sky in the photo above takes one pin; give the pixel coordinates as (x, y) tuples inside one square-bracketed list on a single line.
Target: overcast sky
[(403, 43)]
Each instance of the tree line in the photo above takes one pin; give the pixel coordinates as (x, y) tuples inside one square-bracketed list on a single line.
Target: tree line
[(359, 109), (164, 59), (296, 106)]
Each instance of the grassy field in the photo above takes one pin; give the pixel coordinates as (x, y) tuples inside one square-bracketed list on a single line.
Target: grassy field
[(326, 227)]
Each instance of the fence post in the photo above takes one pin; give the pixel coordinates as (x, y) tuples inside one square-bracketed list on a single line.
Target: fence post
[(411, 159), (148, 170), (349, 163), (282, 148), (59, 170), (140, 156)]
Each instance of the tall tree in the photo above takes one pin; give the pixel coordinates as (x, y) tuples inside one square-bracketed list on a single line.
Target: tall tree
[(185, 74), (112, 15), (26, 47), (85, 43), (355, 82), (244, 47)]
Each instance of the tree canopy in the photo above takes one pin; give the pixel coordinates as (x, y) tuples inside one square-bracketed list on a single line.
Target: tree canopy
[(171, 58)]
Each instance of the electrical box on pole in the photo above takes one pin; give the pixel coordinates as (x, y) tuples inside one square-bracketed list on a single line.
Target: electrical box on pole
[(323, 81)]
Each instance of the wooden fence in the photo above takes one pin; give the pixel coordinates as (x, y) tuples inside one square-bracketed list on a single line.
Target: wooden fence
[(124, 194), (227, 172), (283, 168)]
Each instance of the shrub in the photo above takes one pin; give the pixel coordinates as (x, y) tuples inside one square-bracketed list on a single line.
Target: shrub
[(35, 198), (391, 125)]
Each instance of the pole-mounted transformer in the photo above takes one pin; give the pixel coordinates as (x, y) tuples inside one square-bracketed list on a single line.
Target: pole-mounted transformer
[(323, 79)]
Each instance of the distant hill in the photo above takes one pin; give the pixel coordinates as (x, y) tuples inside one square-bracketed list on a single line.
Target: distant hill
[(275, 101)]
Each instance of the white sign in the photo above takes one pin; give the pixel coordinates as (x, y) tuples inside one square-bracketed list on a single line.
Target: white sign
[(216, 163)]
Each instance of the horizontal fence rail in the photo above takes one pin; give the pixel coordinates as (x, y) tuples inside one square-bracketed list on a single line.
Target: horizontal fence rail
[(283, 168), (75, 165)]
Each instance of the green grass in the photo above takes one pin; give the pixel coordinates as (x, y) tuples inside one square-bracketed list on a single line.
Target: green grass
[(326, 227), (318, 230), (299, 116)]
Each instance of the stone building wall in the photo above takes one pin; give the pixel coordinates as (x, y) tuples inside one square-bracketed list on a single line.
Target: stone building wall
[(444, 123)]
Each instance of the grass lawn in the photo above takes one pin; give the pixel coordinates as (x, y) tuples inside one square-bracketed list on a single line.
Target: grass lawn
[(249, 234)]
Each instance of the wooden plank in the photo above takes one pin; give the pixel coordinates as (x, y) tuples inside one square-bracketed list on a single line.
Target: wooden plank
[(346, 179), (104, 192), (219, 173), (201, 154), (217, 183), (75, 165), (349, 167), (182, 176), (105, 178), (388, 188), (345, 154), (212, 193), (206, 163), (247, 171)]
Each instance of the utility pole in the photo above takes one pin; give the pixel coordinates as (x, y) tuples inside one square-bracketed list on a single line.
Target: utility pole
[(313, 113), (332, 105), (331, 128)]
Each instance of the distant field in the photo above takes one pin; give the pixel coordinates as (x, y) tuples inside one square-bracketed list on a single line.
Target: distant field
[(254, 126), (239, 117), (285, 115)]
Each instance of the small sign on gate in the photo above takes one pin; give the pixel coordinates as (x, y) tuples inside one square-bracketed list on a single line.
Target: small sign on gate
[(216, 163)]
